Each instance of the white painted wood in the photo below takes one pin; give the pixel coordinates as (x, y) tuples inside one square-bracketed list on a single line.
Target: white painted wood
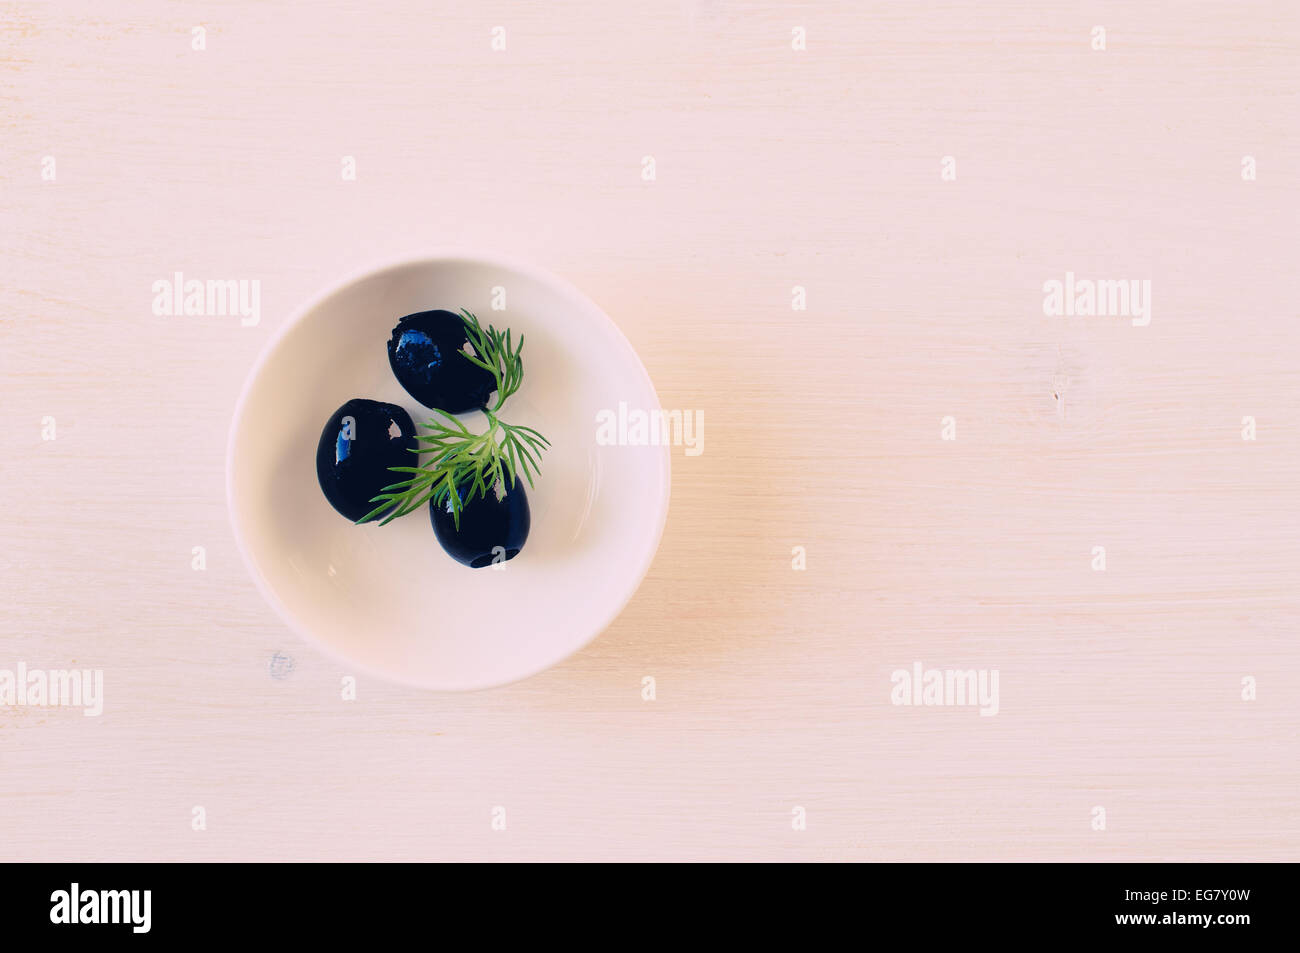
[(774, 168)]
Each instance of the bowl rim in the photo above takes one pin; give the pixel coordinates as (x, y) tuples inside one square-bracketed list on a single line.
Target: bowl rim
[(436, 255)]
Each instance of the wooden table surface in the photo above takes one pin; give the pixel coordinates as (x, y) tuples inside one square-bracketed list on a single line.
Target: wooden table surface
[(128, 155)]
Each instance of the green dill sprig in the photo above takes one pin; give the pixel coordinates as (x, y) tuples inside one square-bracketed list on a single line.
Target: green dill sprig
[(494, 353), (467, 464)]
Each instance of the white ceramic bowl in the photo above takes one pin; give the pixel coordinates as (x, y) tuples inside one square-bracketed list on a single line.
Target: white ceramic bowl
[(386, 599)]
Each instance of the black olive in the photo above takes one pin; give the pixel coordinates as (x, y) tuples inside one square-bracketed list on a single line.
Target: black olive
[(359, 443), (491, 530), (426, 351)]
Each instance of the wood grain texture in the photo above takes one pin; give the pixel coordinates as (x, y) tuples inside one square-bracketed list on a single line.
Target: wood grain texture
[(774, 168)]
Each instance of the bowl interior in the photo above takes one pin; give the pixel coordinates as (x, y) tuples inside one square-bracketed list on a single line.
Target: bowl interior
[(388, 599)]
